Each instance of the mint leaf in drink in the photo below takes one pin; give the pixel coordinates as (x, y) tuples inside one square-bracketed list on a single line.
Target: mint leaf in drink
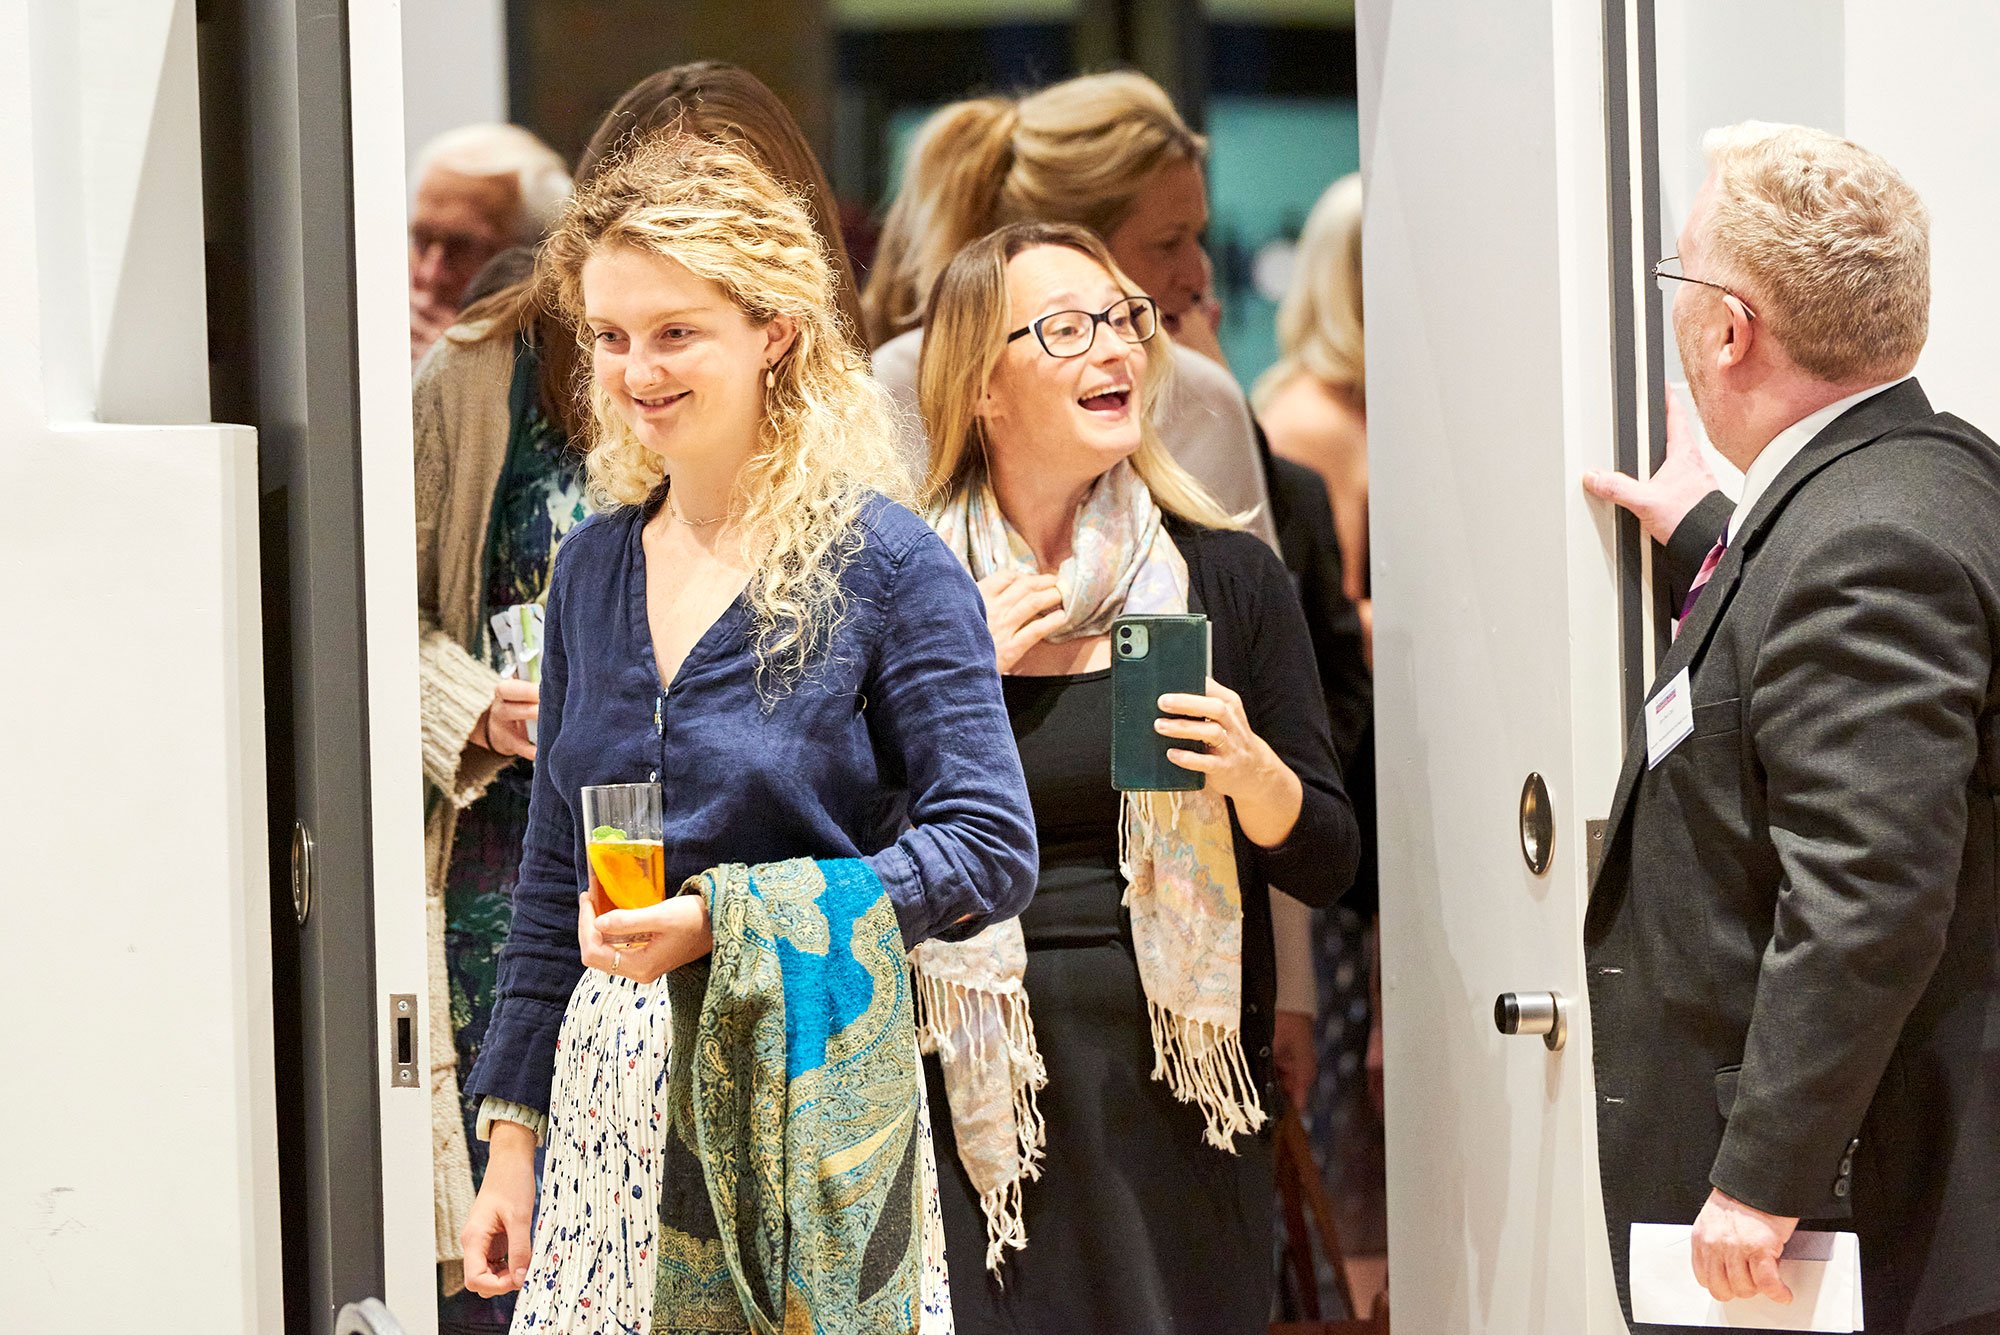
[(604, 834)]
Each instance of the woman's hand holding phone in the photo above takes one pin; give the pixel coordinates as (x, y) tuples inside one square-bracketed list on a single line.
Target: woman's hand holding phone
[(1238, 763)]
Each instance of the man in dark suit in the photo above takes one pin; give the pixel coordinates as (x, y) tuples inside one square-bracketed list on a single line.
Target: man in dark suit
[(1793, 941)]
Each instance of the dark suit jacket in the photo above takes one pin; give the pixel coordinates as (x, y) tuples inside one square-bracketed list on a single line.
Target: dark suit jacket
[(1792, 946)]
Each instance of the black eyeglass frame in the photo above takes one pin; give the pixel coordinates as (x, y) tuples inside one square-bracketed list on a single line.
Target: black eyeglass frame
[(1659, 272), (1102, 317)]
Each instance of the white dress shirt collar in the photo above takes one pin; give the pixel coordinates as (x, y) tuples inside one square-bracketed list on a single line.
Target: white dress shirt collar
[(1785, 447)]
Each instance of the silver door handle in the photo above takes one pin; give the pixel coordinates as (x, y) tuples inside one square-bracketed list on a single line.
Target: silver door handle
[(1544, 1013)]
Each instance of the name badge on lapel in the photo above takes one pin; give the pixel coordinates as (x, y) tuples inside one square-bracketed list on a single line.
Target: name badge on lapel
[(1669, 718)]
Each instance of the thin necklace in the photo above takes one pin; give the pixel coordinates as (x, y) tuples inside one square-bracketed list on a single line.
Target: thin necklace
[(675, 511)]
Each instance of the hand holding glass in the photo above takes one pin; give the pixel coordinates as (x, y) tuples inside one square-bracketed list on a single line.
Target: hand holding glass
[(628, 868)]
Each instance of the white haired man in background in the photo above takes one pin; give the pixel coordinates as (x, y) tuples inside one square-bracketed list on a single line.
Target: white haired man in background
[(477, 190)]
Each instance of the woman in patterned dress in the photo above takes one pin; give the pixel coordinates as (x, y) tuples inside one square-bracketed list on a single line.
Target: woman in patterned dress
[(498, 489)]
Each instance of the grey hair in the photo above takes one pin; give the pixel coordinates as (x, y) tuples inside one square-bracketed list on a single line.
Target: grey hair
[(495, 149)]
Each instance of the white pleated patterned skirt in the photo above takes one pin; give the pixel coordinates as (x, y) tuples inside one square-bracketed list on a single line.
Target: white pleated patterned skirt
[(597, 1221)]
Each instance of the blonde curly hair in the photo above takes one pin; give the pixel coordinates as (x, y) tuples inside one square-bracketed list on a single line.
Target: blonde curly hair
[(826, 443)]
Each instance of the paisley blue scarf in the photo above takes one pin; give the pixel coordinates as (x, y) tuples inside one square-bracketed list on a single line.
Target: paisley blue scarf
[(792, 1199)]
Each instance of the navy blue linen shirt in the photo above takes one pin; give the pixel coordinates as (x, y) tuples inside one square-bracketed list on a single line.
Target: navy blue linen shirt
[(896, 749)]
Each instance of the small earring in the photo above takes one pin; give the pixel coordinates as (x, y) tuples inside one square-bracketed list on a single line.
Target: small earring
[(770, 377)]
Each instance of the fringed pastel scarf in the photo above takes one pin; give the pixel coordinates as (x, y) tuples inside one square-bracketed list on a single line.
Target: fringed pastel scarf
[(1179, 864), (794, 1191)]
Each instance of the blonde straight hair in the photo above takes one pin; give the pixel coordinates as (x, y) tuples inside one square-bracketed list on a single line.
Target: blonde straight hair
[(965, 334), (1319, 321), (827, 440), (1079, 151)]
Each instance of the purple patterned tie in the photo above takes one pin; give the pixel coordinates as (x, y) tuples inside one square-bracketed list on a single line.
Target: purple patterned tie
[(1701, 578)]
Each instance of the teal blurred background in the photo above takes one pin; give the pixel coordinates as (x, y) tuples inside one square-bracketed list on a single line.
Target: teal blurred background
[(1269, 160)]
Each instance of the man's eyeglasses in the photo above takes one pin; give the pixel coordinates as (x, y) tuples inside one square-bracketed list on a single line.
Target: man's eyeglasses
[(1071, 333), (1669, 269)]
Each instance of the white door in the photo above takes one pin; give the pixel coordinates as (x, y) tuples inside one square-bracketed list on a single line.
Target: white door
[(1496, 639), (1514, 207)]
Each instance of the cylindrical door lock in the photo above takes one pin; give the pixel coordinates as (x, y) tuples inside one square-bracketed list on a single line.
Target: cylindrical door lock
[(1544, 1013)]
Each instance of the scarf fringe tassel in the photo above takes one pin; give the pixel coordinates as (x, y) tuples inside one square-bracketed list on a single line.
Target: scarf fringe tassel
[(1204, 1064), (947, 1008)]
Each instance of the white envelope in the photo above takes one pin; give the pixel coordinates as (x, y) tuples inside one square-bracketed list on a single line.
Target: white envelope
[(1823, 1271)]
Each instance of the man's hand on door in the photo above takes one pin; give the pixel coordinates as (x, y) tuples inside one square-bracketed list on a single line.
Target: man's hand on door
[(1661, 501)]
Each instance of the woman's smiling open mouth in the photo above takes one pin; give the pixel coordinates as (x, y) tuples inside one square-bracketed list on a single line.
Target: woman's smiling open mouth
[(1109, 399)]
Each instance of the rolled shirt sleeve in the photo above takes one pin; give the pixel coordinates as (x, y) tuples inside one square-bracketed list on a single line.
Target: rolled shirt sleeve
[(969, 856)]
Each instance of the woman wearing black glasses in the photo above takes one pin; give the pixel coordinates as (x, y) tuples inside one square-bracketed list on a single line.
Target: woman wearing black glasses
[(1106, 1058)]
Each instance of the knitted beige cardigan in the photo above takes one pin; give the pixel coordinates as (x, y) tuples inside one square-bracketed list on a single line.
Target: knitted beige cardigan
[(459, 401)]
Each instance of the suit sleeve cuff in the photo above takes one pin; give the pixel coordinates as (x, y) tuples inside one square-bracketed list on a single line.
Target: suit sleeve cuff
[(1784, 1179), (1696, 534)]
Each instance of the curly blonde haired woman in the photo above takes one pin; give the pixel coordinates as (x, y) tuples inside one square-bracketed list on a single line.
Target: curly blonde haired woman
[(793, 656), (499, 486)]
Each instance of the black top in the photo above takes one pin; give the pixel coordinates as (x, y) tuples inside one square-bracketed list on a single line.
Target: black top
[(1063, 728), (1302, 514), (1261, 650), (1134, 1214)]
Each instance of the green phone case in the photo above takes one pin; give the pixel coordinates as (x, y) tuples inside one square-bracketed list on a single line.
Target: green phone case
[(1152, 656)]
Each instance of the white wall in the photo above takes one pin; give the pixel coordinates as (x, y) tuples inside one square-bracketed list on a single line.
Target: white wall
[(1920, 92), (455, 66), (1722, 61), (1906, 80), (135, 974)]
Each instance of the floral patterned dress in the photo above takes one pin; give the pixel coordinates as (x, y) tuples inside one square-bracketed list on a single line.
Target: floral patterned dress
[(539, 499)]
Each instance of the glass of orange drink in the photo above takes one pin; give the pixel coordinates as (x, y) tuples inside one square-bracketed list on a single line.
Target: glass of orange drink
[(628, 868)]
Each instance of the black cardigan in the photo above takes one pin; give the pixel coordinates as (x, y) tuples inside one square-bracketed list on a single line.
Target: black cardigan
[(1262, 651)]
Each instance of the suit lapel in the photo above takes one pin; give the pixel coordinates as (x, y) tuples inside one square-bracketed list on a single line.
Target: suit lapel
[(1860, 425), (1686, 647)]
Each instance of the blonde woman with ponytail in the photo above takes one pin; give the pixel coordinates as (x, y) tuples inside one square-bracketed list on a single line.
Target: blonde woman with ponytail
[(751, 621), (1106, 1059), (1104, 151)]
